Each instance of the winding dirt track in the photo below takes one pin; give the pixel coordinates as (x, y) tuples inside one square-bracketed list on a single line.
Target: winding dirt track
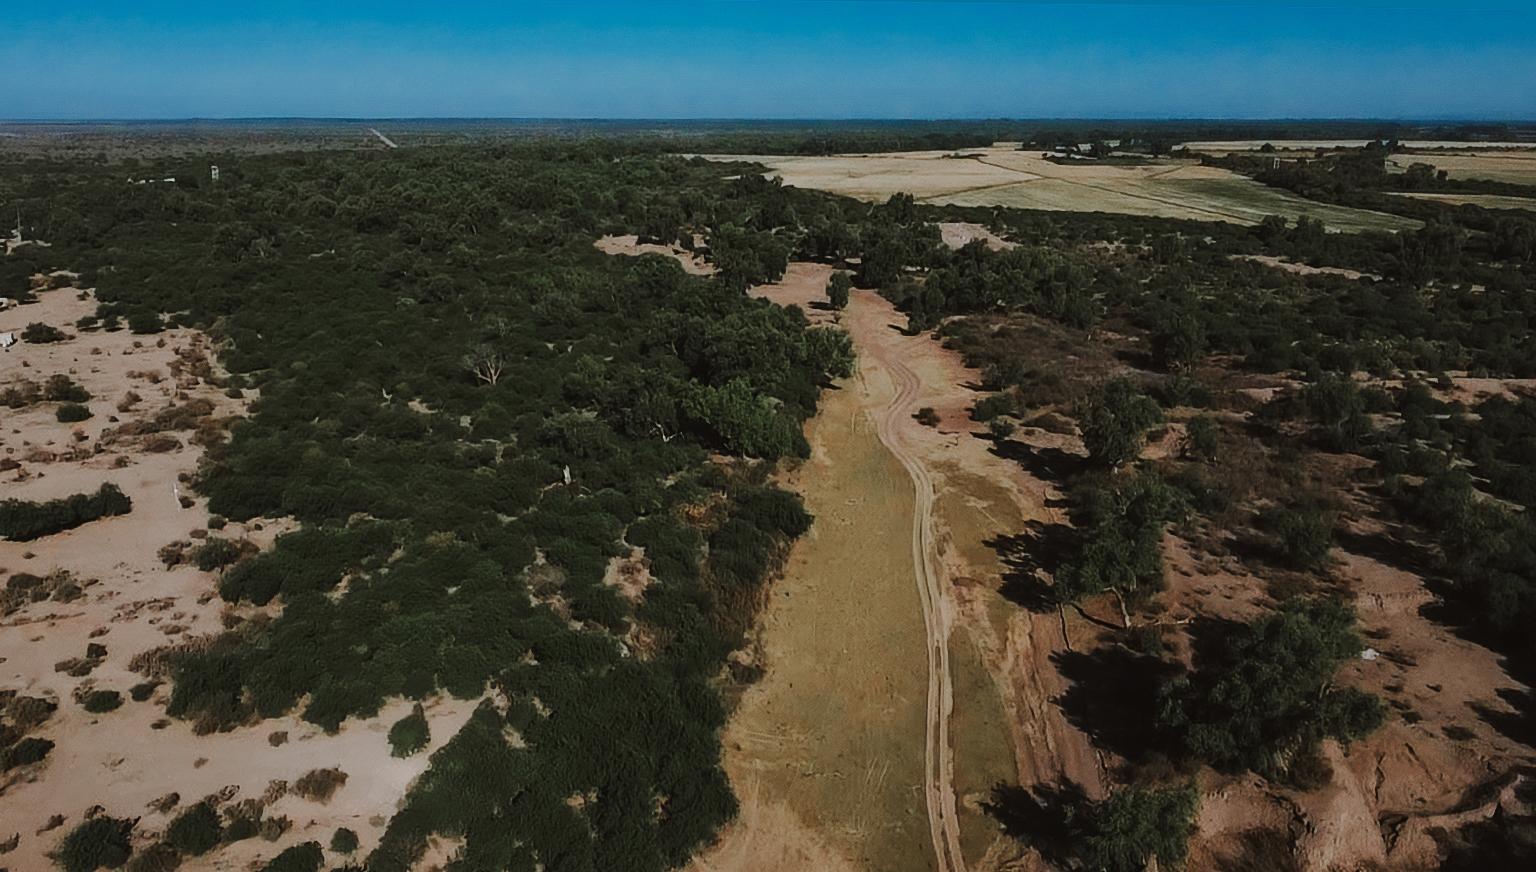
[(938, 766)]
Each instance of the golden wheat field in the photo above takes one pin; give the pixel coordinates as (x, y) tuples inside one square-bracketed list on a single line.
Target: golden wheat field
[(1003, 176)]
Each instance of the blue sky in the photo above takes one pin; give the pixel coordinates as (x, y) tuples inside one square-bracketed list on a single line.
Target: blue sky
[(770, 60)]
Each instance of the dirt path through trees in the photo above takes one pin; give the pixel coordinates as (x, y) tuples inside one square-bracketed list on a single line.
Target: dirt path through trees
[(938, 758)]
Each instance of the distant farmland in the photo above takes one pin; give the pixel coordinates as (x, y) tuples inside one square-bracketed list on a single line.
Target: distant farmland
[(1006, 177), (1516, 166)]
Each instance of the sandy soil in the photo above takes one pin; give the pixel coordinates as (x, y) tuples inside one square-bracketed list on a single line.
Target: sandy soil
[(1008, 177), (631, 246), (1303, 269), (124, 759), (804, 285), (957, 234)]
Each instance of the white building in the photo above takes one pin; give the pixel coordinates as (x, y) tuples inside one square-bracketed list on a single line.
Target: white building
[(7, 340)]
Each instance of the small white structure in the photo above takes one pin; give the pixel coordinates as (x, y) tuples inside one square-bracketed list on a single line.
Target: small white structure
[(6, 303), (7, 340), (213, 173)]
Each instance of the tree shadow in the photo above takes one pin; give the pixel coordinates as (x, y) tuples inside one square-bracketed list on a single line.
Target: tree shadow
[(1040, 817), (1518, 725), (1112, 696), (1048, 464), (1389, 550), (1040, 548)]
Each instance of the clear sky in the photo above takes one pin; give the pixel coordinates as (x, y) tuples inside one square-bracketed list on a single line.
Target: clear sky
[(1474, 59)]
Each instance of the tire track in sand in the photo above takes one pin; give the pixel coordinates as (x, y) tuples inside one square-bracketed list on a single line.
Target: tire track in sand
[(938, 760)]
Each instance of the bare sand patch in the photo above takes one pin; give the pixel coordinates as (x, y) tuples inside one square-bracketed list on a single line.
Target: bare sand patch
[(1303, 269), (131, 604), (631, 246), (958, 234), (804, 285)]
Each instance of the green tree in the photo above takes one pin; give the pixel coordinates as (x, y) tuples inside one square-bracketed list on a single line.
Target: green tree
[(1115, 420), (1338, 408), (1135, 824), (1120, 546), (1265, 697), (838, 287), (1180, 341), (1202, 438)]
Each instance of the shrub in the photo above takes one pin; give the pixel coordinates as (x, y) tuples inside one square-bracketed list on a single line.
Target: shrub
[(1304, 533), (992, 406), (60, 388), (1338, 408), (143, 690), (99, 843), (409, 734), (101, 701), (1203, 438), (158, 857), (318, 785), (24, 753), (195, 831), (145, 323), (1000, 428), (927, 417), (216, 554), (38, 334), (21, 520), (306, 857), (69, 413), (344, 841)]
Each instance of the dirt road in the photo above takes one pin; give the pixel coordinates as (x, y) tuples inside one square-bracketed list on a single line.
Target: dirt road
[(938, 768)]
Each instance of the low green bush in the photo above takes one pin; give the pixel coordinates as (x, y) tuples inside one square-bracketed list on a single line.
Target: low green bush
[(25, 752), (195, 831), (306, 857), (344, 841), (21, 520), (409, 734), (38, 333), (60, 388), (101, 701), (69, 413), (99, 843)]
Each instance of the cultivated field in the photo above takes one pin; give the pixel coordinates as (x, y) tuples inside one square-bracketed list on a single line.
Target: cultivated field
[(1237, 145), (1516, 166), (1000, 176)]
